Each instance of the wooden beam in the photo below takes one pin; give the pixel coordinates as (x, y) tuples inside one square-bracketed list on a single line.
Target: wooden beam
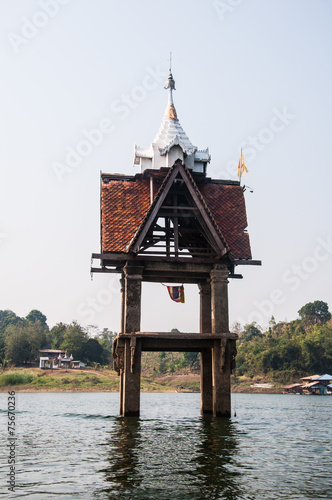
[(179, 207), (113, 258), (245, 262), (105, 270)]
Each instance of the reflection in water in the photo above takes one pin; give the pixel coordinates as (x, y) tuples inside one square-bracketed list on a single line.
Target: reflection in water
[(123, 457), (180, 459), (216, 461)]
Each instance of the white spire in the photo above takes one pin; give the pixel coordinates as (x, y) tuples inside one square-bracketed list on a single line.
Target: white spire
[(170, 132), (171, 142)]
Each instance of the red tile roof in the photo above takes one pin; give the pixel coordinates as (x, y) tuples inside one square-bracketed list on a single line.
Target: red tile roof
[(226, 202), (126, 201)]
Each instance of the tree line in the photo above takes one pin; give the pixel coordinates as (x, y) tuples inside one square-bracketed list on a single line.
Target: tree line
[(22, 338), (293, 349), (285, 349)]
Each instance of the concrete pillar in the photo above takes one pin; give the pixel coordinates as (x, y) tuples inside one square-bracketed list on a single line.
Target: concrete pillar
[(206, 355), (219, 299), (132, 306), (131, 322), (205, 307), (221, 379), (121, 392), (221, 388), (122, 290), (131, 378)]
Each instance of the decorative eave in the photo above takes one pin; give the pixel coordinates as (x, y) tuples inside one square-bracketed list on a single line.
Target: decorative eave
[(178, 141)]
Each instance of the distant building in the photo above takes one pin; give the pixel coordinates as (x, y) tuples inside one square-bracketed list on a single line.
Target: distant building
[(314, 384), (55, 359), (319, 385)]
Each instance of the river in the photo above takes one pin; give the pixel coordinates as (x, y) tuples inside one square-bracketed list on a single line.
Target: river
[(75, 446)]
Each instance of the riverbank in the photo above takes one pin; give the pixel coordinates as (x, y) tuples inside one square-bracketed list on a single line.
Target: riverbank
[(106, 380)]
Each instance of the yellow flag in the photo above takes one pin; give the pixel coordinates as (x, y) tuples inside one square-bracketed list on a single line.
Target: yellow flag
[(241, 169)]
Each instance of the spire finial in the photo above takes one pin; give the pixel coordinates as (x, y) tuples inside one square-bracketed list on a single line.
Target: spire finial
[(170, 84)]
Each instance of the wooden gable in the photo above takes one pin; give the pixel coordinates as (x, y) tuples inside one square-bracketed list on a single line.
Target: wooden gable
[(179, 223)]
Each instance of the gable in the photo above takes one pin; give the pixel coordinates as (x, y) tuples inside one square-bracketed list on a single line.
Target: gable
[(179, 222)]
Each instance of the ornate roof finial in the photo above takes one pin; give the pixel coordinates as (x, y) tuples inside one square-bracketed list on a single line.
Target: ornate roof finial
[(170, 84)]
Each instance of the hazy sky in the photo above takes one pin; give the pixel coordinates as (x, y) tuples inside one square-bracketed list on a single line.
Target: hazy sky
[(250, 73)]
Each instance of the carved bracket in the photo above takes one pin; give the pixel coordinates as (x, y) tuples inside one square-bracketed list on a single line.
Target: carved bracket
[(118, 357), (227, 349)]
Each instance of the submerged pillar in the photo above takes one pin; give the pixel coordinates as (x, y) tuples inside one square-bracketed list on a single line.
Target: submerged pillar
[(221, 362), (206, 355), (131, 322), (131, 378)]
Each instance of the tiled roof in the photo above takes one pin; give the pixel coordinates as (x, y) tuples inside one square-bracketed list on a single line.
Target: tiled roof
[(125, 203), (226, 202)]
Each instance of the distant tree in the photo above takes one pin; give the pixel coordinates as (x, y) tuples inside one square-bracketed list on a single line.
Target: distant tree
[(315, 311), (36, 315), (92, 331), (237, 328), (251, 332), (23, 341), (7, 318), (191, 359), (74, 341), (93, 351), (57, 335), (106, 355), (105, 339)]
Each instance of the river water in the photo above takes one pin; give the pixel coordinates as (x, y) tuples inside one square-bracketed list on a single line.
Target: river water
[(75, 446)]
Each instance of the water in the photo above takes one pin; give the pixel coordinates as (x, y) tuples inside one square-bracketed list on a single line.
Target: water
[(73, 445)]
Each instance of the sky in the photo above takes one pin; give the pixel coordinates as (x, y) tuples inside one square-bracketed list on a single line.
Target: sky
[(82, 82)]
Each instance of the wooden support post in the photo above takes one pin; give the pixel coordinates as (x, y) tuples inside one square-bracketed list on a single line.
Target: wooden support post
[(131, 378), (206, 355), (221, 370)]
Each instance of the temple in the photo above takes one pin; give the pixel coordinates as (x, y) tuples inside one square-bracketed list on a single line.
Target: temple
[(171, 223)]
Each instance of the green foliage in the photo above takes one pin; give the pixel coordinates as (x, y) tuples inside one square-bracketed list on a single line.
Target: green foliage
[(23, 341), (105, 339), (297, 347), (93, 351), (74, 341), (36, 315), (7, 318), (251, 332), (57, 335), (16, 379), (191, 360), (317, 311)]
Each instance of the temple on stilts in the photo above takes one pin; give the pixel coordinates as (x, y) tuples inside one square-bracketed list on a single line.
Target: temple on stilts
[(172, 223)]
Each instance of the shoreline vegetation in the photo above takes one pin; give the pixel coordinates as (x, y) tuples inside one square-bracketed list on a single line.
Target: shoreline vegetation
[(107, 380), (266, 359)]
